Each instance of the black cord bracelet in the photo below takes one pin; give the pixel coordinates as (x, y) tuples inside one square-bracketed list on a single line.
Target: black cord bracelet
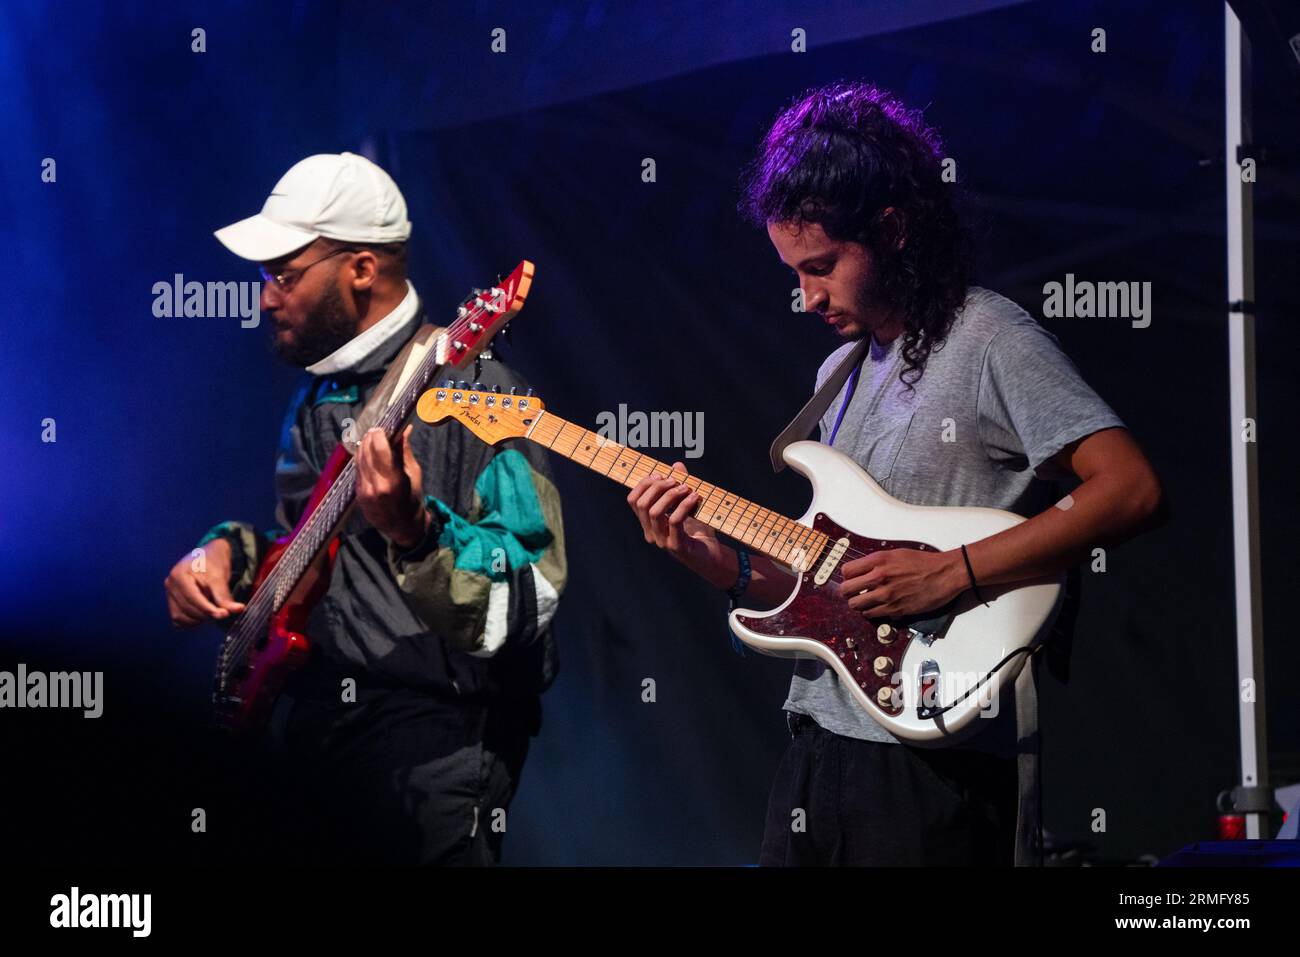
[(970, 571)]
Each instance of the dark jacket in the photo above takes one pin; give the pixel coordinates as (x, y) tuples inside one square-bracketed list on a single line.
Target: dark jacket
[(465, 615)]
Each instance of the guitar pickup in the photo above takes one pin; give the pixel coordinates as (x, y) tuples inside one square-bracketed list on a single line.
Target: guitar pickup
[(832, 559)]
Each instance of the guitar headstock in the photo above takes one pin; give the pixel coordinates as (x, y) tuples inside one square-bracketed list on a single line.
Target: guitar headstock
[(489, 413), (485, 312)]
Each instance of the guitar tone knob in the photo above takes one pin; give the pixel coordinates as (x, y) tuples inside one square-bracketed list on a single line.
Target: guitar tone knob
[(885, 634), (882, 665), (884, 695)]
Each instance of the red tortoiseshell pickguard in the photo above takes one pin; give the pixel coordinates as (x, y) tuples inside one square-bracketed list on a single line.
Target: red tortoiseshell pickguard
[(818, 612)]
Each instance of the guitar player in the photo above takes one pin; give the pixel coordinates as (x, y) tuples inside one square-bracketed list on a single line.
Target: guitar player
[(961, 399), (411, 721)]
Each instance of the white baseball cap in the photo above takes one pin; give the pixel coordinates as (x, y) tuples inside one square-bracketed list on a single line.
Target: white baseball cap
[(339, 196)]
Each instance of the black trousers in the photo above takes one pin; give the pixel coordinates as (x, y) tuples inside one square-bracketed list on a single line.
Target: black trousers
[(396, 777), (843, 801)]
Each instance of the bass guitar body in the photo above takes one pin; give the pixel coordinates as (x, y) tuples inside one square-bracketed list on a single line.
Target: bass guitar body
[(254, 686)]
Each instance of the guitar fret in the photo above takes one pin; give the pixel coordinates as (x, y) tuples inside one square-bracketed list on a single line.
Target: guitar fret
[(556, 444), (719, 518), (789, 543), (614, 457), (765, 529), (806, 543), (750, 522), (594, 446), (733, 520), (704, 499), (757, 525), (731, 507)]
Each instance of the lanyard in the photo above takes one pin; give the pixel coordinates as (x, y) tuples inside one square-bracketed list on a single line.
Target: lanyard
[(848, 397)]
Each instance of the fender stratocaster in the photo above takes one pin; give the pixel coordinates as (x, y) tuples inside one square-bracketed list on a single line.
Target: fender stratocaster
[(926, 679)]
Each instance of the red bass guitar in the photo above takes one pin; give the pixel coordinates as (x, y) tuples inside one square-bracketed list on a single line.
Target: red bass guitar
[(266, 642)]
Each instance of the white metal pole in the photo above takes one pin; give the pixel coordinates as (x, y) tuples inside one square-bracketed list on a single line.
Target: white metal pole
[(1241, 378)]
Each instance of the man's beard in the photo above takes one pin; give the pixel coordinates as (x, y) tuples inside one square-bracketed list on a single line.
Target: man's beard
[(327, 328)]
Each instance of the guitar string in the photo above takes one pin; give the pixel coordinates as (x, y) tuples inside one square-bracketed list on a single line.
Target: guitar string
[(238, 645), (849, 553), (837, 573), (325, 515), (341, 488), (347, 477)]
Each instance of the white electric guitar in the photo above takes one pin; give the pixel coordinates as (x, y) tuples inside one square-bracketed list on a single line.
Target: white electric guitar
[(926, 679)]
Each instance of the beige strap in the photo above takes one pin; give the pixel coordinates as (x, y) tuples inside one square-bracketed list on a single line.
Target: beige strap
[(395, 379)]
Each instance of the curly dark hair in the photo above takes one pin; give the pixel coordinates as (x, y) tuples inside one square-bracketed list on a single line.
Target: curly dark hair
[(838, 156)]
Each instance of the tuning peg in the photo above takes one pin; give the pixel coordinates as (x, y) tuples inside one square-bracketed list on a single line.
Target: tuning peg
[(477, 387), (462, 384), (495, 387), (447, 384), (514, 390), (529, 391)]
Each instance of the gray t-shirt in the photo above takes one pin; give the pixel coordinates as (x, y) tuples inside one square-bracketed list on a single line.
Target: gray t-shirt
[(996, 401)]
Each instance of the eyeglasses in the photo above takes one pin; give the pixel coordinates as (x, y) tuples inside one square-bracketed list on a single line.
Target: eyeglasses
[(284, 281)]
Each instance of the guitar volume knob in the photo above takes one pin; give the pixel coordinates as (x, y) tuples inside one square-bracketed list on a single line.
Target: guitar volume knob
[(885, 634)]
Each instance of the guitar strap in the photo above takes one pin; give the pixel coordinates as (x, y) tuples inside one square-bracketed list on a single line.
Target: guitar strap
[(398, 375), (1029, 816), (1029, 833), (802, 425)]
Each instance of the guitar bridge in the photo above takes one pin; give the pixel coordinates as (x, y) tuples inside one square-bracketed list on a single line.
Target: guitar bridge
[(928, 692)]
